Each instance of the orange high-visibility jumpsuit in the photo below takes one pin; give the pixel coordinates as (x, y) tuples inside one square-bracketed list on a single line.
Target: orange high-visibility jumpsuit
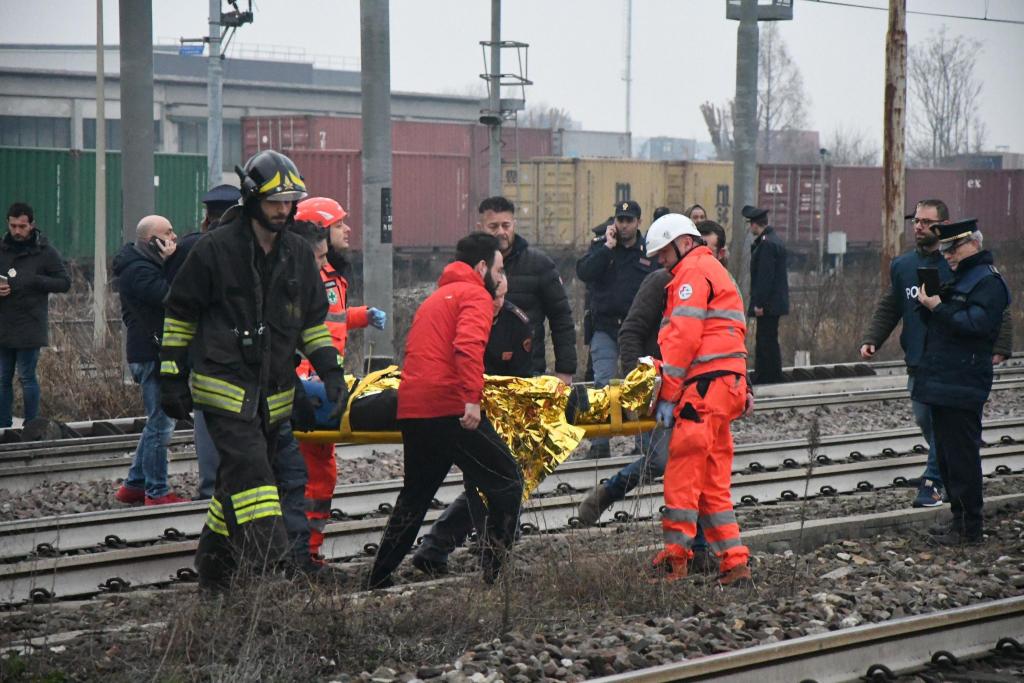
[(704, 373), (321, 468)]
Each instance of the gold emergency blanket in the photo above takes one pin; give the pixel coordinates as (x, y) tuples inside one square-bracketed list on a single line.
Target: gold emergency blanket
[(528, 414), (634, 394)]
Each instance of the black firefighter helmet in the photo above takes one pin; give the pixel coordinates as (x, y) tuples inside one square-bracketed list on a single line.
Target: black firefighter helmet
[(270, 175)]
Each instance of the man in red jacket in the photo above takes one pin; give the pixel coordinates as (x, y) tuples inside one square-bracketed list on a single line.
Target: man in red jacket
[(439, 411)]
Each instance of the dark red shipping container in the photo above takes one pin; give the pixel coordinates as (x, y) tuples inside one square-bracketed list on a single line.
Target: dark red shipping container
[(855, 205), (790, 193), (989, 197), (430, 194)]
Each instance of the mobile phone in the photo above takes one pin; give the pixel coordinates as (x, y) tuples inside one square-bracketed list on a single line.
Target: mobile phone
[(929, 279), (3, 279)]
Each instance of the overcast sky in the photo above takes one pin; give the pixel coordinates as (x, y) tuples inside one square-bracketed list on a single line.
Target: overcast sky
[(684, 51)]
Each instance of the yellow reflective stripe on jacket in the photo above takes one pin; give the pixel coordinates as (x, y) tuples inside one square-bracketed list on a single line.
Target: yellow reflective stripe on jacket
[(316, 337), (281, 403), (177, 332), (215, 518), (169, 367), (256, 503), (216, 393)]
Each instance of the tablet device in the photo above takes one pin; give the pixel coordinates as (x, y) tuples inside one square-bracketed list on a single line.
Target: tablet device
[(929, 279)]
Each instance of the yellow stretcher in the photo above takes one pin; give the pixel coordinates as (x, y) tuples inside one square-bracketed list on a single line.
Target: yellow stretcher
[(617, 422), (618, 425)]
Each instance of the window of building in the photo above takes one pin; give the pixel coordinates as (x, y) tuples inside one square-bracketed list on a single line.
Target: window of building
[(113, 134), (192, 140), (35, 131)]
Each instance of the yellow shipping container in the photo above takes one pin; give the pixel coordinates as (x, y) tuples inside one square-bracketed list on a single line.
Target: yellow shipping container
[(558, 201), (709, 183)]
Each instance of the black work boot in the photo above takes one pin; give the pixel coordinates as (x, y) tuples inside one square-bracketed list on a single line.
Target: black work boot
[(597, 501)]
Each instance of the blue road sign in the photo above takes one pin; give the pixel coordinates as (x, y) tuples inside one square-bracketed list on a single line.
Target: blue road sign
[(191, 50)]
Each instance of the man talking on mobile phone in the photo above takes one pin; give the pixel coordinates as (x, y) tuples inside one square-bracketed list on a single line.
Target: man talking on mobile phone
[(142, 284), (613, 269)]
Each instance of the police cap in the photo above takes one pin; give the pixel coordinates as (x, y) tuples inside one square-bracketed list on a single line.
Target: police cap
[(752, 213), (630, 209), (222, 195), (950, 233)]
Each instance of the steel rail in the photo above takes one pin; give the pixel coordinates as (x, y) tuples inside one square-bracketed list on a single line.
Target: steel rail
[(62, 533), (901, 646), (786, 395), (30, 469), (65, 576)]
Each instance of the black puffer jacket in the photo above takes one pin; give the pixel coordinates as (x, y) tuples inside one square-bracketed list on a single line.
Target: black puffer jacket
[(142, 285), (35, 271), (535, 286)]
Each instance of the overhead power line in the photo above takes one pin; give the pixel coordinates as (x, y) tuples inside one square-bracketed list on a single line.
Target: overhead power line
[(927, 14)]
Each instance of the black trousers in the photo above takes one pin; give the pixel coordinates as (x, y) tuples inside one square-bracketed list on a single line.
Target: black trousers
[(453, 526), (244, 534), (768, 355), (957, 435), (431, 447)]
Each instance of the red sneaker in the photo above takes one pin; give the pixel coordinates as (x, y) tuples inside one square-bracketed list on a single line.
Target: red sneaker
[(669, 567), (166, 499), (130, 495)]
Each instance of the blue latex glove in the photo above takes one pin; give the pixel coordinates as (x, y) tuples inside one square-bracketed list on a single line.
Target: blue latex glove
[(663, 413), (378, 318)]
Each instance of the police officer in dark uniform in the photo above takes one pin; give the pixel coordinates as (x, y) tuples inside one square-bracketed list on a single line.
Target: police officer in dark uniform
[(247, 297), (954, 377), (613, 268), (769, 294), (509, 352)]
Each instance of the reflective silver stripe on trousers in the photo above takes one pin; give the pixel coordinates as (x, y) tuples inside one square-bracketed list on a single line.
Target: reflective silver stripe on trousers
[(677, 537), (721, 546), (679, 515), (718, 519)]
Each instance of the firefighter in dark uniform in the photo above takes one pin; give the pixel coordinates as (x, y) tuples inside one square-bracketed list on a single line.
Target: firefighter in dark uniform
[(954, 377), (247, 297), (509, 352)]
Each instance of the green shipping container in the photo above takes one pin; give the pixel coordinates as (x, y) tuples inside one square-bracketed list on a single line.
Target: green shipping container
[(60, 185)]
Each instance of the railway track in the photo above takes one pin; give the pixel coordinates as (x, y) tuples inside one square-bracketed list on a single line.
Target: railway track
[(870, 652), (26, 465), (42, 577)]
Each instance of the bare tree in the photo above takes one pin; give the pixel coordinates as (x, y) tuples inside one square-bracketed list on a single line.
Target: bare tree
[(781, 100), (944, 112), (543, 115), (719, 122), (851, 147)]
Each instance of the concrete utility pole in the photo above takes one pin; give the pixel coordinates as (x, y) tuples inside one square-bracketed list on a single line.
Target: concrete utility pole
[(629, 63), (214, 94), (494, 103), (377, 250), (137, 141), (744, 174), (894, 129), (99, 275)]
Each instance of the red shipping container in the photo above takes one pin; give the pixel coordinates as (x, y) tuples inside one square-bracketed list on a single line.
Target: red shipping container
[(430, 194), (989, 197), (790, 193)]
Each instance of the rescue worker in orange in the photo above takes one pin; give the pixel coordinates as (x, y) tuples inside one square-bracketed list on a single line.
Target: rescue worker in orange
[(321, 468), (704, 388)]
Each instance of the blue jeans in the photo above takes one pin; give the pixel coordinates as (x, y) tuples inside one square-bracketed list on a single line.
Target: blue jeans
[(206, 455), (24, 360), (923, 418), (604, 353), (645, 470), (149, 466)]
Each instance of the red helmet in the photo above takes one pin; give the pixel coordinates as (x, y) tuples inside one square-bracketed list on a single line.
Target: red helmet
[(323, 211)]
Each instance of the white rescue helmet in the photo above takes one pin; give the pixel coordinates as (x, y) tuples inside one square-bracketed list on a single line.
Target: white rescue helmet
[(664, 231)]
